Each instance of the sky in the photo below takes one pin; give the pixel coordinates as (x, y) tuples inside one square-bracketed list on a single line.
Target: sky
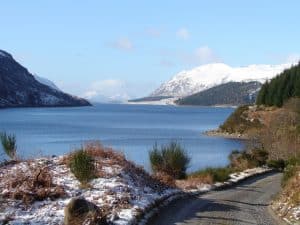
[(125, 49)]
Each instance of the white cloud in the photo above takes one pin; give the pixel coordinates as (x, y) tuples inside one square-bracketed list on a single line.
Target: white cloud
[(205, 55), (123, 44), (116, 90), (199, 56), (183, 34)]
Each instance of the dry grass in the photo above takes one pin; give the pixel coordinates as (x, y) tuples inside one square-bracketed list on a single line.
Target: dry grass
[(165, 179), (107, 157), (33, 184), (194, 182)]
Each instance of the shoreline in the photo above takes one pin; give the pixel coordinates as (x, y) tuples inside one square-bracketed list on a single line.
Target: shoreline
[(217, 133)]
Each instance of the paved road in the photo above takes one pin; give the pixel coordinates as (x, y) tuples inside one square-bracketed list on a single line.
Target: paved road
[(245, 204)]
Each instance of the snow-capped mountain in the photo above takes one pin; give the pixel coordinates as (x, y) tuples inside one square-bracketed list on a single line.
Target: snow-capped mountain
[(206, 76)]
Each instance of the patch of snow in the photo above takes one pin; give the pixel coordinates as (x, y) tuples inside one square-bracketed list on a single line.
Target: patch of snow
[(46, 82), (117, 186), (4, 54), (48, 99)]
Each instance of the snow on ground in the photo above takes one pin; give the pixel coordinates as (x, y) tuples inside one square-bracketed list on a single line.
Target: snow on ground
[(285, 206), (234, 178), (123, 196), (124, 193)]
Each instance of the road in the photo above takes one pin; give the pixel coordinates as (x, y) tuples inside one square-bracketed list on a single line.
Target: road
[(245, 204)]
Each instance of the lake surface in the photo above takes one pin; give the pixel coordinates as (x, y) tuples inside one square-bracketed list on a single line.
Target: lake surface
[(132, 129)]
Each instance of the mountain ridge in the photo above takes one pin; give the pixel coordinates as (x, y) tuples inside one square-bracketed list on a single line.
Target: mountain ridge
[(198, 79), (19, 88)]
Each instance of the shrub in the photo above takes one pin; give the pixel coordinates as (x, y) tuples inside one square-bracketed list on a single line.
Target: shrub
[(171, 159), (82, 166), (259, 156), (9, 144), (291, 169), (289, 172), (220, 174), (248, 159), (278, 164)]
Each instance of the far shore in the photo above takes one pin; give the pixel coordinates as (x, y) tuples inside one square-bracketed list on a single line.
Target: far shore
[(218, 133)]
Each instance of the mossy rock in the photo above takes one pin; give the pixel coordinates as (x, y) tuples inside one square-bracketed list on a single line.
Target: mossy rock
[(80, 211)]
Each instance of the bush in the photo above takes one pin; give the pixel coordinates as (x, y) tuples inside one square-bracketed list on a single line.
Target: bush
[(278, 164), (171, 159), (259, 156), (291, 169), (82, 166), (9, 144), (217, 174), (248, 159), (289, 172)]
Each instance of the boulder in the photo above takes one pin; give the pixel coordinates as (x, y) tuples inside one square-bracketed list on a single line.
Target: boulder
[(80, 211)]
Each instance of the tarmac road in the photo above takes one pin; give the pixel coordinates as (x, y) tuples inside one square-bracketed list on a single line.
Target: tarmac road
[(245, 204)]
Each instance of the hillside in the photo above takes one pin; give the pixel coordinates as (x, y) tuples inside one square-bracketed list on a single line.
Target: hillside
[(201, 78), (231, 93), (282, 87), (19, 88)]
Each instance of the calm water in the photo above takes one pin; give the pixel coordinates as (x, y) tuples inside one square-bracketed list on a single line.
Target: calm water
[(132, 129)]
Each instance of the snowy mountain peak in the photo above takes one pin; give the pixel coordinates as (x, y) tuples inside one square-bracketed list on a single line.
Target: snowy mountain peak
[(188, 82)]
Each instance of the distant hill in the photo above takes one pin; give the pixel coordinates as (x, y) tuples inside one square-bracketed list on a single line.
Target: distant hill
[(150, 99), (281, 88), (231, 93), (19, 88)]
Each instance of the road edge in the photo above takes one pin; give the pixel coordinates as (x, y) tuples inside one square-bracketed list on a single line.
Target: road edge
[(276, 218), (153, 210)]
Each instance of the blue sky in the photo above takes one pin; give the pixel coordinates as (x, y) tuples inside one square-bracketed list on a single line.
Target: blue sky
[(119, 48)]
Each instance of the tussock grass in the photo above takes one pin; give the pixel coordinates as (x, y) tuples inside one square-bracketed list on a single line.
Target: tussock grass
[(170, 159), (9, 143)]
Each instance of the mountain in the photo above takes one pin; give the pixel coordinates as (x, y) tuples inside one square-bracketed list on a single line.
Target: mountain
[(206, 76), (45, 81), (231, 93), (150, 99), (19, 88)]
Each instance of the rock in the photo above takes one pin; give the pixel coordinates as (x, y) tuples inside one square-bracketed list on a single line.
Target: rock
[(80, 211)]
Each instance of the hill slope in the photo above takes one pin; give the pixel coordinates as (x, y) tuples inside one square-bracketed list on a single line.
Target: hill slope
[(282, 87), (19, 88), (231, 93)]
